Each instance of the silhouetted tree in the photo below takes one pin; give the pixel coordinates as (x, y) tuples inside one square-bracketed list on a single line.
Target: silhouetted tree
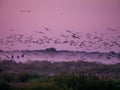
[(51, 49)]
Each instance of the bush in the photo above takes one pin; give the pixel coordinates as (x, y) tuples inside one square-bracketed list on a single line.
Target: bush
[(1, 70), (4, 86), (83, 82), (64, 81)]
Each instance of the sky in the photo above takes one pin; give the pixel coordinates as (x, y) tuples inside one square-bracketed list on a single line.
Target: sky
[(28, 17)]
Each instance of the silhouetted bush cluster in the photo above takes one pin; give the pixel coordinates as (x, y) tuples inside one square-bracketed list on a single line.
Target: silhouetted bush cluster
[(45, 75), (85, 82), (63, 81), (4, 85)]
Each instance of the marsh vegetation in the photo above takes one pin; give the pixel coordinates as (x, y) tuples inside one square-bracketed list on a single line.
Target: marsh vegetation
[(45, 75)]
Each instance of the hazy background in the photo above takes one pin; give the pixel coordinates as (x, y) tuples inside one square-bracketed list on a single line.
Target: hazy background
[(27, 16)]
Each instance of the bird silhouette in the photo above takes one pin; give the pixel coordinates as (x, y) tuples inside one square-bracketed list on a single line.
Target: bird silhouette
[(46, 29), (39, 32)]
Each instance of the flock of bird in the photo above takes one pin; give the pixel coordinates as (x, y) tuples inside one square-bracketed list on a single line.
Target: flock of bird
[(9, 57), (88, 41), (25, 11)]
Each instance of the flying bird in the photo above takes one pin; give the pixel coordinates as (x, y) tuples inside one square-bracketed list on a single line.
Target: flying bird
[(46, 29), (39, 32), (11, 30)]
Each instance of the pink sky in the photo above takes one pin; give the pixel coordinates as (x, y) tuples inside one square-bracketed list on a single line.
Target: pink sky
[(26, 16)]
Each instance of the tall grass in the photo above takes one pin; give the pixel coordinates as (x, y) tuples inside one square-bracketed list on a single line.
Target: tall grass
[(63, 81)]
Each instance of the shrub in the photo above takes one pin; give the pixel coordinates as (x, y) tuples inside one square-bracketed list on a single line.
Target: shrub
[(4, 86)]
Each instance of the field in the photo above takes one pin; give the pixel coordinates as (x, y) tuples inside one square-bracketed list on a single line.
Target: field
[(44, 75)]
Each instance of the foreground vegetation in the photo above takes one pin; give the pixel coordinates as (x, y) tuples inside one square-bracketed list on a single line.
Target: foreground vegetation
[(64, 81), (59, 76)]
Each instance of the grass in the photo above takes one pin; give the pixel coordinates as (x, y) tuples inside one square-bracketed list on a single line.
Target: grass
[(63, 81), (71, 76)]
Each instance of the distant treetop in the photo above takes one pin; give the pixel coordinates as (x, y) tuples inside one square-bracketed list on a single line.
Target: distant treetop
[(51, 49)]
